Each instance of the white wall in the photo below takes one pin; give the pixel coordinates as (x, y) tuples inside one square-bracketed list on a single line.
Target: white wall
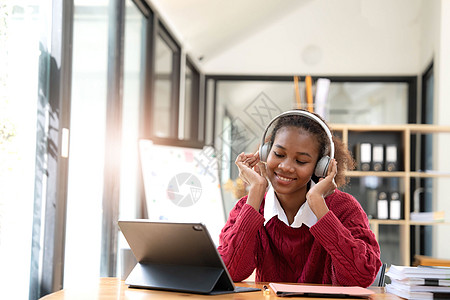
[(442, 66), (345, 37), (441, 113), (429, 32)]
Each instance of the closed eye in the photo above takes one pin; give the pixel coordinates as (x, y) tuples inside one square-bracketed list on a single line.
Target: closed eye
[(277, 154)]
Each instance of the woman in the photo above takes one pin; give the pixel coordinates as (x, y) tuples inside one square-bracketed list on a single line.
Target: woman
[(298, 230)]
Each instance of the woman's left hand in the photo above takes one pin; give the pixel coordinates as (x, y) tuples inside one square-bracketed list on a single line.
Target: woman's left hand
[(325, 187)]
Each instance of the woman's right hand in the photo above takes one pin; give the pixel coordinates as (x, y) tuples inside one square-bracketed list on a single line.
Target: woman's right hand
[(251, 170)]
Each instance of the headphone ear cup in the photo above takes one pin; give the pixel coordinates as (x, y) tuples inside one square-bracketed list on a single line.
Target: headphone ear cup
[(322, 167), (264, 152)]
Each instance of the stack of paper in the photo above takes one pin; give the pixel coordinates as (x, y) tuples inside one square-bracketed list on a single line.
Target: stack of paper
[(419, 282)]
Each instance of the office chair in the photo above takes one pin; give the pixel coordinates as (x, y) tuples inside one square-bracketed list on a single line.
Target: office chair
[(379, 280)]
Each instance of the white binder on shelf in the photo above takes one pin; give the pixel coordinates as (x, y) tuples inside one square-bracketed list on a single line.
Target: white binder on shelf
[(364, 156), (378, 157), (391, 158), (382, 206), (395, 206)]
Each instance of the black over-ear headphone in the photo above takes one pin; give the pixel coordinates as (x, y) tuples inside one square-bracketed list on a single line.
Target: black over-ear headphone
[(322, 164)]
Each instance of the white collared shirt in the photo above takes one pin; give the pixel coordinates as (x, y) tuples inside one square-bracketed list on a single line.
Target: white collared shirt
[(272, 208)]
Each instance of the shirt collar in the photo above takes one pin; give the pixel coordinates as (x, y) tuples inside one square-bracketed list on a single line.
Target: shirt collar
[(272, 208)]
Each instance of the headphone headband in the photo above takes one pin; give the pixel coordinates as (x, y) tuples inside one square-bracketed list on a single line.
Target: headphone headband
[(307, 114)]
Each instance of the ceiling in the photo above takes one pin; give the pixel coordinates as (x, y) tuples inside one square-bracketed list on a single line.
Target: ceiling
[(209, 27), (210, 30)]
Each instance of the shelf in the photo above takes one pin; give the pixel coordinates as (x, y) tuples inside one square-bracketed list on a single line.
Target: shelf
[(387, 222), (374, 173), (430, 174), (428, 128), (404, 222), (404, 136), (428, 223)]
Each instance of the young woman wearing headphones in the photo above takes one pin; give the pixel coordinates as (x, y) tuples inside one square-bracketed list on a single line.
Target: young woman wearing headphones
[(295, 225)]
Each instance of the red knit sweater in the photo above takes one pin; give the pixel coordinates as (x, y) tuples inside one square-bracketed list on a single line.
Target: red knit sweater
[(340, 249)]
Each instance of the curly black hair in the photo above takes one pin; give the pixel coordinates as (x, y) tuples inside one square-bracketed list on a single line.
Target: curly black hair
[(341, 154)]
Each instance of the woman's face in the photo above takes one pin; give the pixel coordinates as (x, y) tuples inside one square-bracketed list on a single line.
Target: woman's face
[(291, 162)]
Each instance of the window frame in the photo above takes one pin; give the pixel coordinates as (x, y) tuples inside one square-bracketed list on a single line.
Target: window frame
[(47, 254), (410, 80), (195, 112), (161, 32), (160, 29)]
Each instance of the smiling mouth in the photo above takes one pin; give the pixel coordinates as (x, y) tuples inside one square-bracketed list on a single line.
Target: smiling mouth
[(285, 179)]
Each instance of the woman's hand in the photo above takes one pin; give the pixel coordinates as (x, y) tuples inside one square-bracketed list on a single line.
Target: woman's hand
[(253, 172), (325, 187)]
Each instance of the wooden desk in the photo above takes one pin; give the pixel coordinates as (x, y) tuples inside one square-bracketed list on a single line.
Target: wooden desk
[(114, 288)]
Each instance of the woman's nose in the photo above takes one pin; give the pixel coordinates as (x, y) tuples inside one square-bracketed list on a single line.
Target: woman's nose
[(286, 166)]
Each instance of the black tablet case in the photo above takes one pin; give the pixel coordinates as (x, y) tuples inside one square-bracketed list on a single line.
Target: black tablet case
[(177, 257)]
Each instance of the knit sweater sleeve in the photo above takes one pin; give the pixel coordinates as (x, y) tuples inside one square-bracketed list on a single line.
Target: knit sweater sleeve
[(345, 234), (238, 240)]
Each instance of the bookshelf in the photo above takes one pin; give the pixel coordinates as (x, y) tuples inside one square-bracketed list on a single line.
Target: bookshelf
[(403, 135)]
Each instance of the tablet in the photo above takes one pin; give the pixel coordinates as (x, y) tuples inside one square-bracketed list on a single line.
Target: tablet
[(178, 257)]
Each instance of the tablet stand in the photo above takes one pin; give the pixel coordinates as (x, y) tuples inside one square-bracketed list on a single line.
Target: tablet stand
[(191, 279)]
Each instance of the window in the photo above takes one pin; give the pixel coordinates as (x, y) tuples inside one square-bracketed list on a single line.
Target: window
[(24, 76), (132, 118), (133, 101), (192, 107), (166, 86), (73, 82), (87, 142), (424, 188)]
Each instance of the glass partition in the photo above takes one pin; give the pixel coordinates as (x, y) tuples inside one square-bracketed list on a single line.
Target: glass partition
[(163, 88), (87, 142), (245, 107), (132, 119), (165, 97), (25, 30), (191, 103), (133, 98), (372, 103)]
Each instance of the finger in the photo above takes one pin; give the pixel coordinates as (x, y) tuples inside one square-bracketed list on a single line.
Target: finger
[(335, 166), (239, 157), (262, 169), (242, 165), (253, 161), (332, 170), (240, 162), (247, 156), (250, 158), (256, 156)]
